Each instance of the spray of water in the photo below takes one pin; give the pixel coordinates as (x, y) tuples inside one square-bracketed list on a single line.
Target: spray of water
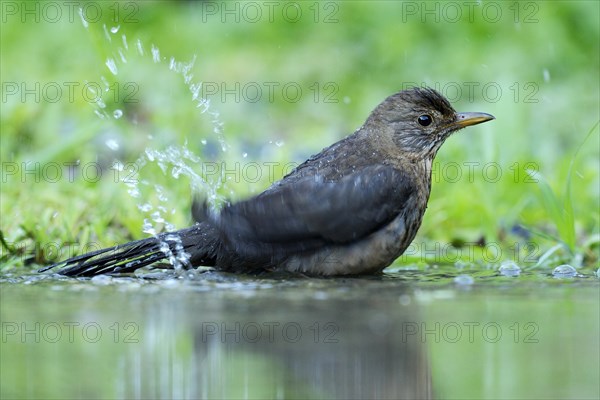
[(174, 160)]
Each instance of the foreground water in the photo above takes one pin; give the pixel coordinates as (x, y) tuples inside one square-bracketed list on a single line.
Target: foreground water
[(406, 334)]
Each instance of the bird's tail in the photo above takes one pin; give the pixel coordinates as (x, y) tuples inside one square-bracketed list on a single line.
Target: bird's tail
[(188, 247)]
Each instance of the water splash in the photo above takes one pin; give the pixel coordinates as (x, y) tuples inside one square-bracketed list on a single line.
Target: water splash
[(112, 66), (148, 227), (175, 161), (106, 33), (112, 144), (146, 207), (104, 82), (83, 20), (139, 47), (122, 56), (155, 54), (546, 75)]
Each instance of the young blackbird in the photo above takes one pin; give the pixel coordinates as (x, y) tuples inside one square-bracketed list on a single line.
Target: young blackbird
[(351, 209)]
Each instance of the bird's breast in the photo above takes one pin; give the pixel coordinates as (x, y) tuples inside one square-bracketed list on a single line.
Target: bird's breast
[(366, 256)]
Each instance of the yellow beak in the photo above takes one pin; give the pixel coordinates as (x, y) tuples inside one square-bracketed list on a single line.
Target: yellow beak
[(471, 118)]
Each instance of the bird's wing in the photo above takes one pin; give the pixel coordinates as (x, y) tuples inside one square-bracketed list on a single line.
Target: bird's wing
[(308, 209)]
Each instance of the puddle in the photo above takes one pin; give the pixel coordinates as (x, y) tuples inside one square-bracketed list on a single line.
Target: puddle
[(404, 334)]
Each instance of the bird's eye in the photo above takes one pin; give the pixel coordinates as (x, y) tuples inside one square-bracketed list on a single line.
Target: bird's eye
[(425, 120)]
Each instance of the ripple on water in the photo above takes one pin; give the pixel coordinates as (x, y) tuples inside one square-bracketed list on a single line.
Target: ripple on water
[(464, 279), (102, 280)]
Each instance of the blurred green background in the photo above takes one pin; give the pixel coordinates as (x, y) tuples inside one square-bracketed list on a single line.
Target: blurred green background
[(286, 80), (282, 81)]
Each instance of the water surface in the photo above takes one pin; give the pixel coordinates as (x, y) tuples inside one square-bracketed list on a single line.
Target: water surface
[(406, 334)]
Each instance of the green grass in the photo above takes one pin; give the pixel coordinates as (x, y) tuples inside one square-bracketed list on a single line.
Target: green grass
[(561, 213), (546, 69)]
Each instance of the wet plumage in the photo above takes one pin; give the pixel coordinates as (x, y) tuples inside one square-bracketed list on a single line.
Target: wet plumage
[(353, 208)]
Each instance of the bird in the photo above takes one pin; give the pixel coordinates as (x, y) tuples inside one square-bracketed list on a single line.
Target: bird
[(351, 209)]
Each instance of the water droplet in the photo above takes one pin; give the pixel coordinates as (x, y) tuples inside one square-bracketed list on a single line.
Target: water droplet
[(157, 217), (564, 271), (148, 228), (155, 54), (546, 74), (464, 280), (149, 154), (203, 141), (115, 29), (112, 66), (117, 114), (195, 89), (106, 34), (204, 104), (83, 20), (123, 58), (91, 89), (162, 197), (145, 207), (509, 269), (140, 49), (186, 71), (105, 83), (244, 155), (279, 143), (118, 166), (125, 42), (164, 247), (175, 172), (134, 192), (112, 144)]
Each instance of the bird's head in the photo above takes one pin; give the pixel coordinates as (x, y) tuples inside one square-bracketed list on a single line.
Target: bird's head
[(420, 119)]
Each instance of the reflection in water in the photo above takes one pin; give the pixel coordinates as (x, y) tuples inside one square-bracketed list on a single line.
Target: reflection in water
[(227, 339), (406, 335), (346, 349)]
